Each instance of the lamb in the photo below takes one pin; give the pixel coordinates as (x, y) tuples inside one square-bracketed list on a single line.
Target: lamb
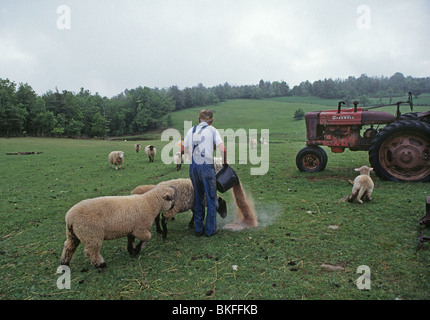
[(178, 160), (184, 201), (116, 158), (137, 147), (93, 220), (363, 185), (150, 152)]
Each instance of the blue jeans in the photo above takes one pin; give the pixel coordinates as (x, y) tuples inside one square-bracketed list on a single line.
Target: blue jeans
[(204, 182)]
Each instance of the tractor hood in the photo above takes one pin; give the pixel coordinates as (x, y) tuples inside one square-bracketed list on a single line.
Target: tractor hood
[(376, 117), (352, 117)]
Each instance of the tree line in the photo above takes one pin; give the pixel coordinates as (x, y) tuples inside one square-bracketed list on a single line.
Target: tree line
[(83, 114)]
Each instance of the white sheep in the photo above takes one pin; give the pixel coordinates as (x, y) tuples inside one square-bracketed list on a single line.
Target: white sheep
[(137, 147), (150, 151), (93, 220), (116, 158), (178, 159), (184, 201), (263, 141), (253, 143), (363, 185)]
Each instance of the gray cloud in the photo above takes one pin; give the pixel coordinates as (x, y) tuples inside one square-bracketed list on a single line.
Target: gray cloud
[(114, 45)]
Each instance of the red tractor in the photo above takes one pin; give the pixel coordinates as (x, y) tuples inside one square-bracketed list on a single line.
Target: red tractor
[(399, 151)]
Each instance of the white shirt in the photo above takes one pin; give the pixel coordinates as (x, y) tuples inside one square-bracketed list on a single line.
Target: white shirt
[(202, 142)]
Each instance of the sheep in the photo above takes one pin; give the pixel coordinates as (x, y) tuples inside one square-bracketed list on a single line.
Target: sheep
[(362, 185), (178, 160), (105, 218), (184, 201), (150, 152), (253, 143), (137, 147), (116, 158), (263, 141)]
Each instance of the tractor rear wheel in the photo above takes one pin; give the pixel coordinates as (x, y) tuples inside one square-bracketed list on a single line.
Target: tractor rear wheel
[(414, 116), (401, 151), (311, 159)]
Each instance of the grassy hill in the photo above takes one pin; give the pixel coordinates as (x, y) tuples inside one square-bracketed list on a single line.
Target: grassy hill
[(302, 226)]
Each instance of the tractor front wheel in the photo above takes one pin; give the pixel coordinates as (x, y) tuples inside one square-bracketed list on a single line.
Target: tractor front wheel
[(401, 151), (311, 159)]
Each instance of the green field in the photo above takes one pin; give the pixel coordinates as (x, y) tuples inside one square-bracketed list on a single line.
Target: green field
[(302, 225)]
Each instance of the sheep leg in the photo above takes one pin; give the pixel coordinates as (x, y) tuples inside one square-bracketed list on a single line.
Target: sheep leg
[(157, 223), (353, 195), (139, 247), (70, 246), (92, 251), (134, 251), (360, 194), (164, 226), (368, 194), (143, 236), (130, 241)]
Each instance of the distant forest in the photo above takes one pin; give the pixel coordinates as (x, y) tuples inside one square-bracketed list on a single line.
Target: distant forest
[(83, 114)]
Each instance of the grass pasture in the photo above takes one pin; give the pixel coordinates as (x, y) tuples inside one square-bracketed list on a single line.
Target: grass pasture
[(302, 225)]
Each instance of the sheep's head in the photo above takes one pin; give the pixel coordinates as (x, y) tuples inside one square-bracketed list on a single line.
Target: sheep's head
[(168, 195), (364, 170)]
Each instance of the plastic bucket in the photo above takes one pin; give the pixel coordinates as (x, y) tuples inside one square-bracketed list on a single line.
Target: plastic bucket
[(226, 179)]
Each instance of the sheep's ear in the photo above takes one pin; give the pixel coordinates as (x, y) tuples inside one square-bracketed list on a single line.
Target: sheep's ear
[(167, 197), (357, 169), (370, 169)]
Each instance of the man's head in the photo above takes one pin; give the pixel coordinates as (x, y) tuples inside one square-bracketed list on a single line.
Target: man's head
[(206, 115)]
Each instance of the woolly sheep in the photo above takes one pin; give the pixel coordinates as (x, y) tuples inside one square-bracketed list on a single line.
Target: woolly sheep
[(184, 201), (178, 160), (363, 185), (93, 220), (137, 147), (116, 158), (150, 151)]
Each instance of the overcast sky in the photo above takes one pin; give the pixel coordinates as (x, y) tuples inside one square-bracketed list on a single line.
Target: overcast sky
[(107, 46)]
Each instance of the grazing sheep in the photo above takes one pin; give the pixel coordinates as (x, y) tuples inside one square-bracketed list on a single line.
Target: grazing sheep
[(184, 201), (179, 160), (116, 158), (363, 185), (93, 220), (150, 152), (263, 141), (137, 147)]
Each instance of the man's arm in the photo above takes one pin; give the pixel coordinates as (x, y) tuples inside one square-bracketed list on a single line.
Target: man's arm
[(223, 150)]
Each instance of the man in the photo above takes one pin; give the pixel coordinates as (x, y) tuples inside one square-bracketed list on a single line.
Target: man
[(199, 144)]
